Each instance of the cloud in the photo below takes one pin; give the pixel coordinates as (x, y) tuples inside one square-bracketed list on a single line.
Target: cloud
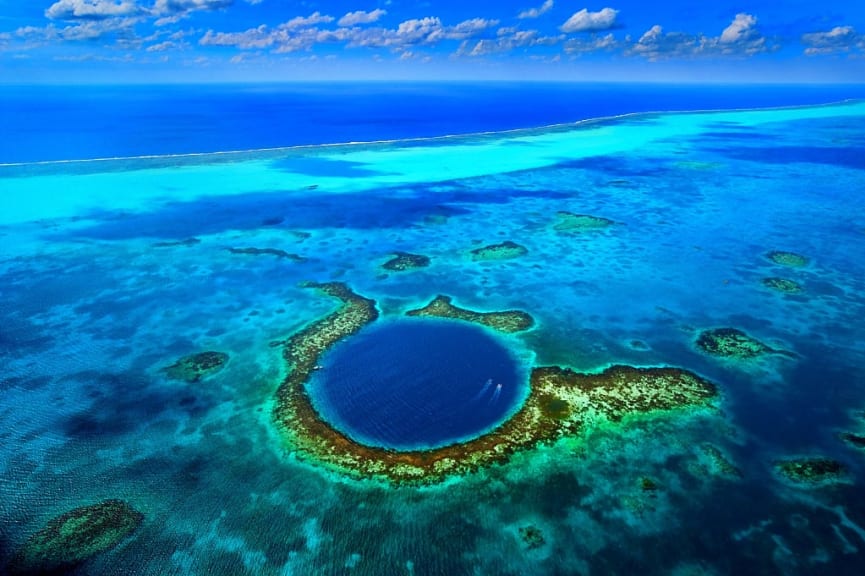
[(584, 20), (536, 12), (171, 11), (507, 39), (304, 21), (837, 40), (597, 43), (91, 9), (740, 38), (303, 34), (361, 17)]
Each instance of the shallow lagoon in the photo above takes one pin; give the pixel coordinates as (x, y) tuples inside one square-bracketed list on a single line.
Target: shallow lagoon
[(113, 270)]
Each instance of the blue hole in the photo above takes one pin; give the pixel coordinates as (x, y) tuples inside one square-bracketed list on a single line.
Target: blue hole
[(418, 384)]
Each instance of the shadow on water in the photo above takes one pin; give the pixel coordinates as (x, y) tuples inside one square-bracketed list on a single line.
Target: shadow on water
[(833, 156), (124, 402), (292, 209)]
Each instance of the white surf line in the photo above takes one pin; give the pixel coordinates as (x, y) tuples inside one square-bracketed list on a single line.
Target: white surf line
[(421, 139)]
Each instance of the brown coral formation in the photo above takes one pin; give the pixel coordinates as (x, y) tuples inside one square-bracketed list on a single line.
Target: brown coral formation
[(76, 536), (507, 321), (194, 367)]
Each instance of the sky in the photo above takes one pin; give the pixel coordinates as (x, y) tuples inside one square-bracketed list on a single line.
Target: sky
[(80, 41)]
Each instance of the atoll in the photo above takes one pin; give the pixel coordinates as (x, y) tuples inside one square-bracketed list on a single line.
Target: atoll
[(194, 367), (76, 536), (790, 259), (560, 402), (570, 222), (507, 321), (732, 343), (782, 285), (280, 254), (503, 251), (405, 261), (816, 470)]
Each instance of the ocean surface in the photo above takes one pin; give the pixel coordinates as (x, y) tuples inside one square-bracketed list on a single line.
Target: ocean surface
[(142, 225)]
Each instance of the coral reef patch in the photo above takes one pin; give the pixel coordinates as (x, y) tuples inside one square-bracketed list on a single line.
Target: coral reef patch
[(403, 261), (570, 222), (733, 343), (532, 536), (76, 536), (560, 402), (790, 259), (782, 285), (854, 440), (507, 321), (504, 251), (817, 470), (196, 367), (280, 254)]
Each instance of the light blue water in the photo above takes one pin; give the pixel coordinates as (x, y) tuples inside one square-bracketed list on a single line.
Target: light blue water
[(110, 271)]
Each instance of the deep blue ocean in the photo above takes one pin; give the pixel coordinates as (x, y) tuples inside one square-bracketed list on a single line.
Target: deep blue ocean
[(74, 122), (428, 355)]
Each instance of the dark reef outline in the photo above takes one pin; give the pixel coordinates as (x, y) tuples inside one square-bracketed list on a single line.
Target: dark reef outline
[(560, 402)]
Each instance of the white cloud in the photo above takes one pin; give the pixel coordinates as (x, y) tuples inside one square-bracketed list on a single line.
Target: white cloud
[(303, 34), (584, 20), (536, 12), (507, 39), (740, 29), (305, 21), (740, 38), (91, 9), (606, 42), (837, 40), (361, 17), (171, 11)]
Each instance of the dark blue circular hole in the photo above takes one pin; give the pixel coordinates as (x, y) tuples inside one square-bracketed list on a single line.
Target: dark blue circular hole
[(417, 384)]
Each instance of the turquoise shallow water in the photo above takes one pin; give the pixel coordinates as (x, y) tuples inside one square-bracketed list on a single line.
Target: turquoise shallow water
[(110, 271)]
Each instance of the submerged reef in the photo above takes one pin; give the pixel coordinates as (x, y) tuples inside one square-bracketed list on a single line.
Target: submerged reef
[(782, 285), (194, 367), (570, 222), (854, 440), (405, 261), (816, 470), (280, 254), (733, 343), (790, 259), (532, 536), (76, 536), (560, 402), (507, 321), (174, 243), (503, 251)]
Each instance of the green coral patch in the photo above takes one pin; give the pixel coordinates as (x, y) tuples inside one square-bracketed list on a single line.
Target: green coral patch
[(76, 536), (782, 285), (570, 222), (507, 321), (504, 251), (811, 470), (731, 343), (195, 367), (280, 254), (790, 259), (405, 261)]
